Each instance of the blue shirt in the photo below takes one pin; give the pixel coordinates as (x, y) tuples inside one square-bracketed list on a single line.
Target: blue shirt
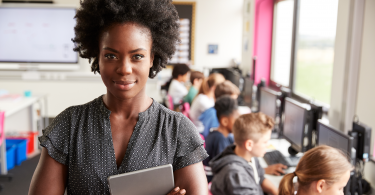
[(209, 120), (215, 144)]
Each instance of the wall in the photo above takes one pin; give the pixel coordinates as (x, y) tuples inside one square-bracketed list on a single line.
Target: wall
[(366, 91), (247, 36), (263, 24), (342, 45), (217, 22)]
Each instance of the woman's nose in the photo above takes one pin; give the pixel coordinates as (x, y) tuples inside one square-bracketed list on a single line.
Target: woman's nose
[(124, 68)]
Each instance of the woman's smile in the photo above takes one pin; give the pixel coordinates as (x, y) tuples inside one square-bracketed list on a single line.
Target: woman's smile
[(124, 85)]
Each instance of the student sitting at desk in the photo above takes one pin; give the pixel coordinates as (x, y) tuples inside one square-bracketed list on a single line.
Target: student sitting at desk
[(124, 130), (218, 139), (205, 99), (237, 170), (322, 170), (209, 118), (196, 79), (177, 89)]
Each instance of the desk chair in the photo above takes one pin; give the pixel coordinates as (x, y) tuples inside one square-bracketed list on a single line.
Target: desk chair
[(185, 109), (170, 102), (2, 141)]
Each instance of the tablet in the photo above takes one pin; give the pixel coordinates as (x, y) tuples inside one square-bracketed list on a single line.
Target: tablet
[(157, 180)]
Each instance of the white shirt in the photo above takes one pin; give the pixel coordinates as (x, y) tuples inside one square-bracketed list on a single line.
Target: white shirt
[(177, 91), (253, 165), (200, 104)]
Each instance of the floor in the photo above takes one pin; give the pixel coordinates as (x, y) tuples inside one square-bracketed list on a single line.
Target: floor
[(19, 185)]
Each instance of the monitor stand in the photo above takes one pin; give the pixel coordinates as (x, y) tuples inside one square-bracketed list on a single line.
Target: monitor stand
[(274, 134), (293, 159)]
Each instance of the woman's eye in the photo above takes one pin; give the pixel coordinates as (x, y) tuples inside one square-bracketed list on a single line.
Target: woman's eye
[(110, 56), (138, 57)]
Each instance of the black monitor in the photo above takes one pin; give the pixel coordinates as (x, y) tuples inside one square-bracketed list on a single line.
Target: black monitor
[(268, 102), (296, 126), (230, 74), (247, 92), (330, 136), (363, 140)]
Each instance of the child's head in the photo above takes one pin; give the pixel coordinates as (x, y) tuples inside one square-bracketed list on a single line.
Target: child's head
[(209, 84), (227, 88), (226, 111), (180, 72), (252, 133), (322, 170), (196, 78)]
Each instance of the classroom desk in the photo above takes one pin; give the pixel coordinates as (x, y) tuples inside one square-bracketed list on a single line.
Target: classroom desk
[(282, 145), (21, 116)]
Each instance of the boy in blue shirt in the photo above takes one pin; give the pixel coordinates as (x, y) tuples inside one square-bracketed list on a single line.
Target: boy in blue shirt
[(218, 139), (208, 117)]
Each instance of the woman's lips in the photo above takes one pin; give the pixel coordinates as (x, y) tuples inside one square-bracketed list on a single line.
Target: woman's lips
[(124, 85)]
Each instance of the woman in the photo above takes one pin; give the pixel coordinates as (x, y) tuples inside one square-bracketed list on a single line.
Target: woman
[(123, 130), (205, 99), (322, 170)]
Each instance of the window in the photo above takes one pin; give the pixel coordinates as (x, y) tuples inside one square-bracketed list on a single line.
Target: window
[(282, 42), (315, 49)]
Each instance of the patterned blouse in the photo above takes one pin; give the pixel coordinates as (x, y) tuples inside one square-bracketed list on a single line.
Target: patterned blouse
[(80, 137)]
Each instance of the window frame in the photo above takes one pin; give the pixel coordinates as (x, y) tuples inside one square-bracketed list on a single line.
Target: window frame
[(273, 84), (292, 76)]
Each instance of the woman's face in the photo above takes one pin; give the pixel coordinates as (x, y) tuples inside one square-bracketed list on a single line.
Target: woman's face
[(125, 59)]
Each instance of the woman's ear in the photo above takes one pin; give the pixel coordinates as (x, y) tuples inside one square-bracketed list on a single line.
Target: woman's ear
[(320, 185), (152, 59)]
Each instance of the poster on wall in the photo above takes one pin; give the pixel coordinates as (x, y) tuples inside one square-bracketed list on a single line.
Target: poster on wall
[(181, 56), (185, 48)]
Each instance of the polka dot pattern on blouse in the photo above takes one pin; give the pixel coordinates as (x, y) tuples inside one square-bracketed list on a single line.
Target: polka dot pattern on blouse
[(80, 137)]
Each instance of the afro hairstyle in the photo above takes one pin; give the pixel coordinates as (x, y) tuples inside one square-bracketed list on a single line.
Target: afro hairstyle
[(159, 16)]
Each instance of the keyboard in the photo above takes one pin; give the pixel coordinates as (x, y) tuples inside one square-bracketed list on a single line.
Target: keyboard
[(275, 156)]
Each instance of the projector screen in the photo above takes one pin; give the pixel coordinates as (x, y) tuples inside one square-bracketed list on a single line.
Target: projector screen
[(37, 35)]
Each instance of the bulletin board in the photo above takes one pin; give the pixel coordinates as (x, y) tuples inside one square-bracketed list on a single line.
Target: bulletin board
[(185, 50)]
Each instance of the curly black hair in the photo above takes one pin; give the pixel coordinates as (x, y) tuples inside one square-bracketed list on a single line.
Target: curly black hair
[(95, 16)]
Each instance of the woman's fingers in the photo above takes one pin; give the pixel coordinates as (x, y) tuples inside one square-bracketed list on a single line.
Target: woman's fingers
[(177, 191)]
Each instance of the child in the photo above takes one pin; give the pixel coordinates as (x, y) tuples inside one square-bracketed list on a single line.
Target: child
[(227, 88), (196, 79), (177, 89), (321, 170), (205, 98), (208, 117), (237, 170), (227, 112)]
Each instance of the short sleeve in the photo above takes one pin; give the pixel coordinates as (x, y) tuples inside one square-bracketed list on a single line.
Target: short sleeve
[(55, 137), (190, 148)]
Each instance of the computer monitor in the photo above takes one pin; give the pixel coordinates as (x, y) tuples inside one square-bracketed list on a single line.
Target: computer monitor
[(330, 136), (230, 74), (296, 126), (247, 92), (363, 142), (268, 102), (37, 36)]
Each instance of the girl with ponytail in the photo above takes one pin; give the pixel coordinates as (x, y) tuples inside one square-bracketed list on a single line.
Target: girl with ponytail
[(205, 98), (322, 170)]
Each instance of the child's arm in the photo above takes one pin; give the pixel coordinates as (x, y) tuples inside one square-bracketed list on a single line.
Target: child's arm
[(268, 187)]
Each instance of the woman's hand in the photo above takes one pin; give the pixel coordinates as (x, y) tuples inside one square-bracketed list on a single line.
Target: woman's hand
[(177, 191)]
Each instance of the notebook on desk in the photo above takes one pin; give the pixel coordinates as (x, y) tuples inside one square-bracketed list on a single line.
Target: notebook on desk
[(156, 180)]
